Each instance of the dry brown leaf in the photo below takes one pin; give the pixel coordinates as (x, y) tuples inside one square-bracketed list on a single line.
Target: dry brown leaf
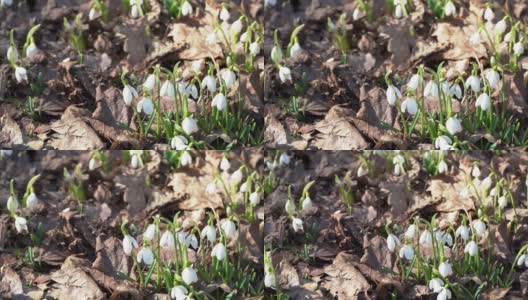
[(446, 191), (457, 37), (10, 132), (73, 133), (345, 281), (72, 282), (336, 132)]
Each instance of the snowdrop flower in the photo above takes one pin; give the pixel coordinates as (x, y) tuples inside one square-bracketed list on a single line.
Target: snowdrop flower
[(134, 161), (450, 9), (229, 228), (475, 172), (167, 90), (358, 14), (146, 106), (444, 294), (362, 171), (129, 93), (473, 82), (407, 251), (129, 244), (254, 198), (443, 142), (392, 242), (471, 248), (209, 82), (414, 82), (453, 126), (21, 74), (237, 176), (493, 78), (518, 48), (398, 12), (235, 28), (189, 276), (523, 259), (398, 169), (149, 233), (179, 292), (507, 37), (431, 89), (455, 91), (500, 27), (224, 14), (410, 232), (436, 285), (503, 202), (442, 167), (307, 203), (229, 77), (297, 224), (276, 54), (219, 101), (191, 241), (285, 74), (410, 106), (189, 126), (208, 232), (254, 48), (6, 3), (32, 50), (186, 159), (426, 238), (479, 226), (150, 82), (284, 159), (179, 142), (483, 101), (167, 240), (145, 256), (219, 251), (289, 207), (393, 94), (463, 232), (268, 3), (186, 8), (445, 269), (295, 50), (488, 14), (225, 164), (12, 54), (31, 200), (93, 164), (21, 224)]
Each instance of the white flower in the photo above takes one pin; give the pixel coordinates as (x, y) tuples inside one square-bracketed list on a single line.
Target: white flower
[(493, 78), (471, 248), (135, 11), (444, 294), (284, 159), (475, 172), (146, 256), (189, 276), (393, 94), (225, 164), (398, 159), (21, 74), (463, 232), (518, 49), (134, 161), (295, 50), (229, 228), (189, 126), (32, 50), (191, 241), (210, 188), (508, 37), (479, 226), (145, 105), (446, 239), (450, 9), (297, 224), (219, 251), (6, 3), (224, 14), (219, 101), (488, 14), (445, 269), (93, 164), (150, 82), (500, 27), (414, 82), (289, 207), (443, 143), (167, 90), (285, 74), (149, 233), (186, 8), (179, 142), (483, 101), (392, 242), (179, 292), (208, 232), (276, 54), (473, 82), (398, 169), (129, 93), (431, 89), (410, 106), (235, 28), (436, 285), (268, 3), (237, 176), (229, 77), (362, 171), (209, 82), (442, 167), (426, 238), (254, 48), (129, 244), (410, 232), (21, 224), (398, 12), (503, 202), (12, 54), (358, 14), (522, 260), (307, 203), (167, 240), (455, 91), (254, 198), (407, 251), (31, 200), (186, 159), (453, 126)]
